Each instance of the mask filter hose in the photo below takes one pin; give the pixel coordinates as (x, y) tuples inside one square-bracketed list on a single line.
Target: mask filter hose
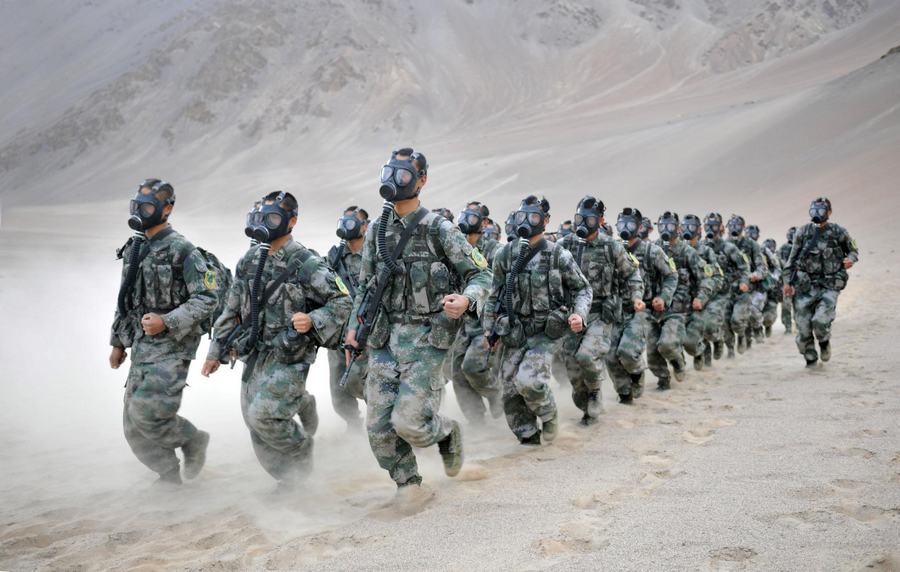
[(131, 275), (579, 252), (381, 239), (518, 265), (254, 293)]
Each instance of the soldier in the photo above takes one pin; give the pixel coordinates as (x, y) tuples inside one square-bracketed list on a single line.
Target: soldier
[(763, 293), (408, 315), (748, 308), (167, 298), (625, 360), (444, 212), (787, 302), (773, 286), (736, 267), (346, 259), (510, 227), (284, 304), (534, 281), (605, 264), (491, 230), (815, 274), (470, 357), (646, 228), (666, 336), (703, 326)]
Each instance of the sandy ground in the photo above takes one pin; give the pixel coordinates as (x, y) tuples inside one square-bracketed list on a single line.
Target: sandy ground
[(757, 464)]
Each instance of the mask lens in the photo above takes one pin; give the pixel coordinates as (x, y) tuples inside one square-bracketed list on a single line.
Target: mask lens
[(520, 217), (386, 173), (578, 219), (133, 207), (592, 221), (403, 177), (535, 219), (273, 220), (147, 209)]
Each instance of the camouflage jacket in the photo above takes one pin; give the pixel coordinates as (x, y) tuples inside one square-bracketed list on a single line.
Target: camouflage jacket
[(774, 266), (174, 281), (733, 263), (709, 258), (550, 281), (784, 252), (488, 247), (312, 288), (347, 266), (472, 321), (755, 258), (437, 260), (817, 257), (611, 271), (695, 276), (658, 271)]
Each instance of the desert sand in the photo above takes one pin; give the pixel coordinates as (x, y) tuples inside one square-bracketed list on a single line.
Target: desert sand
[(692, 106)]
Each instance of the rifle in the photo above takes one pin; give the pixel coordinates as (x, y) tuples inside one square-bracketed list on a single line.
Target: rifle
[(225, 347), (499, 311)]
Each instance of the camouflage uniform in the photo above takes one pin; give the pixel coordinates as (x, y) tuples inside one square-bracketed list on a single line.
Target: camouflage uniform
[(815, 269), (536, 326), (667, 335), (756, 298), (606, 264), (344, 400), (735, 304), (704, 328), (173, 280), (275, 370), (787, 302), (472, 365), (626, 364), (773, 289), (411, 336)]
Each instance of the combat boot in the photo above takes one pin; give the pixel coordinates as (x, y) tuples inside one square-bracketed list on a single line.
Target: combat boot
[(740, 346), (587, 420), (825, 351), (718, 349), (168, 479), (663, 384), (411, 482), (748, 340), (768, 331), (452, 451), (730, 352), (533, 440), (707, 356), (626, 399), (678, 370), (594, 405), (195, 454), (637, 385), (550, 427), (698, 363)]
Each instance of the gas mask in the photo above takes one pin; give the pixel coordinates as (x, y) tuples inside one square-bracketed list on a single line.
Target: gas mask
[(510, 227), (270, 221), (529, 221), (713, 225), (790, 234), (490, 233), (250, 214), (769, 244), (564, 231), (147, 206), (470, 221), (349, 227), (646, 228), (735, 226), (753, 232), (818, 210), (690, 227), (399, 176), (629, 223), (587, 216), (667, 226)]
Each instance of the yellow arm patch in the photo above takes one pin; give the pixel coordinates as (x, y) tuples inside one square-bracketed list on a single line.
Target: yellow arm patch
[(209, 280), (708, 270), (672, 264), (637, 263), (341, 286), (746, 259), (479, 259)]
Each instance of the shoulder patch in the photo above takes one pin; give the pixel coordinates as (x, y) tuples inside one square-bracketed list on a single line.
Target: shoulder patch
[(341, 286), (209, 280), (672, 264), (634, 259), (479, 259), (853, 244), (746, 259), (708, 270)]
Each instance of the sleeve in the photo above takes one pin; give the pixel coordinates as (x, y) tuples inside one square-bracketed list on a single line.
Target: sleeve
[(204, 297), (740, 262), (668, 273), (498, 280), (120, 333), (366, 276), (470, 265), (629, 272), (704, 278), (788, 271), (851, 250), (575, 282), (230, 318), (328, 288), (760, 264)]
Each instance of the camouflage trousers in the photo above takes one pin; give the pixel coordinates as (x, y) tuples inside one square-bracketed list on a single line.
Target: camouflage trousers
[(404, 388), (787, 307), (344, 400), (665, 338), (770, 310), (271, 396), (558, 369), (814, 311), (701, 328), (474, 379), (738, 313), (757, 306), (626, 352), (152, 425), (584, 357), (525, 373), (713, 316)]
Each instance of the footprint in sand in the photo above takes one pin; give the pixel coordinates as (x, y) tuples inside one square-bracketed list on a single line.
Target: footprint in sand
[(407, 502), (846, 485), (730, 558), (472, 472), (583, 535), (656, 458), (867, 513), (883, 563), (697, 436), (855, 452)]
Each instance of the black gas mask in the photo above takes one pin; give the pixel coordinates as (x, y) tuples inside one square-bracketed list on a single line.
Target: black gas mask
[(399, 176), (770, 244), (270, 221), (564, 230), (529, 219), (735, 226), (349, 227), (790, 234), (690, 227), (628, 225), (667, 225), (818, 210), (147, 206), (247, 230), (753, 232), (713, 225), (587, 216), (490, 232), (470, 220), (510, 227)]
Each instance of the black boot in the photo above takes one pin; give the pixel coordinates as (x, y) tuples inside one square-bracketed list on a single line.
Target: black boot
[(708, 356), (663, 384), (452, 451), (637, 385), (195, 454), (698, 363), (533, 440), (412, 482), (718, 350), (678, 370), (170, 478), (824, 351), (626, 399)]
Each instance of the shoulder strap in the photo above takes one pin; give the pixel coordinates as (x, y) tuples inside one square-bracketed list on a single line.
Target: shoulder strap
[(295, 263)]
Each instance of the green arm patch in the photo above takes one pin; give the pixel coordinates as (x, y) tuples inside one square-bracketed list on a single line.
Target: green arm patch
[(672, 265), (637, 263), (479, 259), (209, 280), (708, 270), (341, 286)]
